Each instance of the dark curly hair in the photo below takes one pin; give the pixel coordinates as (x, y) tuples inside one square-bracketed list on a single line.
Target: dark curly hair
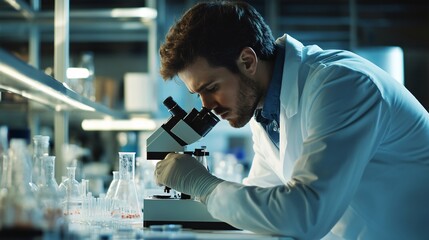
[(216, 31)]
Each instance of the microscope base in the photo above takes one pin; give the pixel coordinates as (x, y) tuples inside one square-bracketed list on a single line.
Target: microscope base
[(186, 212)]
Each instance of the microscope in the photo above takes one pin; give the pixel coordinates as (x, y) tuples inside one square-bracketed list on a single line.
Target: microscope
[(180, 130)]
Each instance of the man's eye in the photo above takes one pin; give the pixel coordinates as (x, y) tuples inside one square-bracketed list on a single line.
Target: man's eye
[(212, 88)]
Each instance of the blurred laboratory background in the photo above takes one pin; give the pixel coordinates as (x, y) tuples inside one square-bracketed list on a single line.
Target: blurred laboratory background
[(117, 100)]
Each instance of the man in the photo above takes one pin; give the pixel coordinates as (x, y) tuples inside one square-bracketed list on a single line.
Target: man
[(339, 145)]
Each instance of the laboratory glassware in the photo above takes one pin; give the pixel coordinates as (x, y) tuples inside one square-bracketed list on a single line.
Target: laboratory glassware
[(126, 205), (70, 192), (18, 204), (3, 152), (113, 185), (84, 187), (3, 139), (144, 178), (96, 210), (48, 196), (4, 178), (40, 150), (87, 62)]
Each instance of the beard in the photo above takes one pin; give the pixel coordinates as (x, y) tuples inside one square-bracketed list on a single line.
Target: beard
[(248, 98)]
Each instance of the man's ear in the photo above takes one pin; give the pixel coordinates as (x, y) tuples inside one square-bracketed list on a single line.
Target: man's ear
[(247, 61)]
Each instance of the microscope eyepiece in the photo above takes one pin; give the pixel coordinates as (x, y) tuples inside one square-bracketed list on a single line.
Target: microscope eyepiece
[(174, 108), (202, 122), (181, 129), (209, 116)]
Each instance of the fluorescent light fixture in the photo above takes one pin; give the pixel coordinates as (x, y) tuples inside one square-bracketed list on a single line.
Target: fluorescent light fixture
[(143, 12), (22, 7), (77, 73), (41, 88), (14, 4), (133, 124)]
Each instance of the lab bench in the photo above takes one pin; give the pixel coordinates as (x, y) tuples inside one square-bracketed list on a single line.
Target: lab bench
[(96, 232)]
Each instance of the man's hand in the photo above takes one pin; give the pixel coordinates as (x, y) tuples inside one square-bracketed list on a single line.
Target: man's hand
[(185, 174)]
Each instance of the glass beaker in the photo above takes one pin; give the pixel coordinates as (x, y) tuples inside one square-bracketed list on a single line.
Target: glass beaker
[(126, 205), (70, 192), (113, 185), (144, 178), (40, 149)]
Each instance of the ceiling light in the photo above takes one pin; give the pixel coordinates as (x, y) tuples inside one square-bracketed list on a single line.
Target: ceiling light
[(134, 124), (143, 12), (77, 73)]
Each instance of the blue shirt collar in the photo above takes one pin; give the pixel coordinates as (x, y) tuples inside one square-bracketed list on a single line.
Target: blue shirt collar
[(271, 107)]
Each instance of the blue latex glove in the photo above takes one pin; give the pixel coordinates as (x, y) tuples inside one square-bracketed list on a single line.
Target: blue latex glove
[(185, 174)]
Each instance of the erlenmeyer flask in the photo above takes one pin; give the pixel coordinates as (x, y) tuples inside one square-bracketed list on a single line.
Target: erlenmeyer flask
[(126, 203), (70, 192), (48, 183), (48, 195), (40, 149), (113, 185)]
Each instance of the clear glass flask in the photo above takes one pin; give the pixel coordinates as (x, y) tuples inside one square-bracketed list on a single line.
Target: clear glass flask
[(48, 196), (126, 205), (18, 204), (113, 185), (40, 150), (87, 61), (70, 192)]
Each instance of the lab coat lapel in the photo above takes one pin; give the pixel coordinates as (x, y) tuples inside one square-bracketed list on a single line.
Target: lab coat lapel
[(289, 100), (289, 92)]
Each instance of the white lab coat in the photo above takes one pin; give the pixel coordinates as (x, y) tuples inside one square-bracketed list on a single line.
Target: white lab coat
[(353, 156)]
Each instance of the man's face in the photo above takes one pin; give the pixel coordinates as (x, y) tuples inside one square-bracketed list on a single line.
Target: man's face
[(233, 97)]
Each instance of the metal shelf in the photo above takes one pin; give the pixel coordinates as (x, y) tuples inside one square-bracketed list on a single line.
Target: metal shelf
[(18, 77)]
